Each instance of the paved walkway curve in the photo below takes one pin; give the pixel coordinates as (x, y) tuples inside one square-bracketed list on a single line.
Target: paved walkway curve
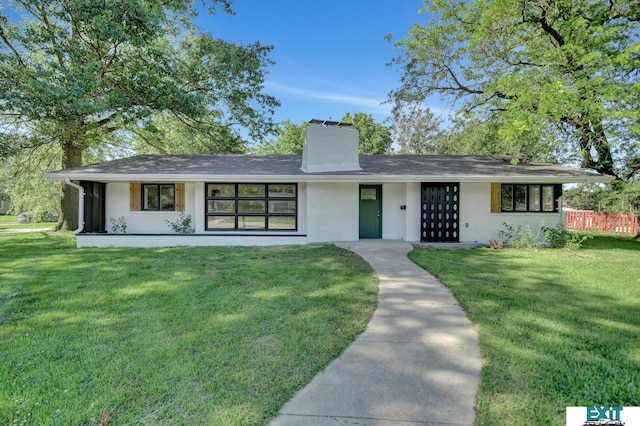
[(417, 362)]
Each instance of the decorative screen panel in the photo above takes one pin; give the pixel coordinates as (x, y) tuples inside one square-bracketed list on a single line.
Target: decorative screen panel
[(440, 212)]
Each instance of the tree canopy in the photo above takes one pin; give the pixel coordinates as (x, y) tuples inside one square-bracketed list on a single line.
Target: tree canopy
[(375, 138), (76, 74), (171, 136), (417, 131), (543, 76), (289, 139)]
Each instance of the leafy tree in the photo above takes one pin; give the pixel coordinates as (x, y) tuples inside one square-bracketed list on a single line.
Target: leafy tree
[(417, 131), (470, 134), (75, 74), (22, 180), (618, 196), (290, 139), (22, 175), (585, 196), (375, 138), (628, 197), (560, 70), (171, 136)]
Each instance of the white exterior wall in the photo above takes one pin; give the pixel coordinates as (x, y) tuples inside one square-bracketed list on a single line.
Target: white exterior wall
[(143, 222), (302, 208), (394, 219), (198, 207), (327, 212), (141, 225), (478, 224), (332, 212), (412, 226)]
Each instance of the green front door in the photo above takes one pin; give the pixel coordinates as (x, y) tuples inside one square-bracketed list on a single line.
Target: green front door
[(370, 211)]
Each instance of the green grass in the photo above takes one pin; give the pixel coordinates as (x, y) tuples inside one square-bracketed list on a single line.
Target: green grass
[(10, 222), (557, 328), (175, 336)]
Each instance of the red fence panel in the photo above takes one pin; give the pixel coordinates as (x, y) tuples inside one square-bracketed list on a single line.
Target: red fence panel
[(612, 222)]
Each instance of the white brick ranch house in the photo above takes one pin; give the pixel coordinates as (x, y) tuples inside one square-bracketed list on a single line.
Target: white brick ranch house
[(329, 194)]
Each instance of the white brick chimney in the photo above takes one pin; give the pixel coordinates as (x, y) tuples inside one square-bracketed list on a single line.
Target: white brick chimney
[(330, 146)]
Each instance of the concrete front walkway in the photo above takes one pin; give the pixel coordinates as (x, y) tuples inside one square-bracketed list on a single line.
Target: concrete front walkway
[(417, 362)]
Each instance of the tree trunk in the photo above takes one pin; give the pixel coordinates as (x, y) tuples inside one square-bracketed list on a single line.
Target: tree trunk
[(603, 149), (68, 221), (594, 143)]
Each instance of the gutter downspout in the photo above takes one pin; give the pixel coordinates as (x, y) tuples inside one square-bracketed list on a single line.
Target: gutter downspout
[(81, 195), (563, 215)]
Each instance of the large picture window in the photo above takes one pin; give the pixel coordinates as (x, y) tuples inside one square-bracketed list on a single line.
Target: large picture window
[(529, 198), (251, 206)]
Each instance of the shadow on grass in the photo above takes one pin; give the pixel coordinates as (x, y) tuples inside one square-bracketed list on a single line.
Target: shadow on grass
[(557, 328), (177, 335)]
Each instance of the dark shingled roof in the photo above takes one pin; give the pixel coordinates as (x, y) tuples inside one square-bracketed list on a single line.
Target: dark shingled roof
[(436, 166)]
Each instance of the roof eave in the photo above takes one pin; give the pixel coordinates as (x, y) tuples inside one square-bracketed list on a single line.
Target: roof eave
[(160, 178)]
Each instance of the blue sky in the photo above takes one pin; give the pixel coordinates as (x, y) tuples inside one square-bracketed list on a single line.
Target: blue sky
[(330, 57)]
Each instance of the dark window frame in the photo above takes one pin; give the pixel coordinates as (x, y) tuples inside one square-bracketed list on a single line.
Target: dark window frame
[(158, 186), (516, 205), (236, 214)]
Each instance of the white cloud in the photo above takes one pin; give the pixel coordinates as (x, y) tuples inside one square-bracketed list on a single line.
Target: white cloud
[(369, 104)]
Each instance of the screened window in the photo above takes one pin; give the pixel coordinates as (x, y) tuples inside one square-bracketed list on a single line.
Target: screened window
[(529, 198), (251, 206), (158, 197)]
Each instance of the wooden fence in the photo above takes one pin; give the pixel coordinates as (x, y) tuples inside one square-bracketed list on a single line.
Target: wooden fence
[(613, 222)]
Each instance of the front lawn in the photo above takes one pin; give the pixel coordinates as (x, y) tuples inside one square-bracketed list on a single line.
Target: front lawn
[(11, 222), (557, 328), (175, 336)]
